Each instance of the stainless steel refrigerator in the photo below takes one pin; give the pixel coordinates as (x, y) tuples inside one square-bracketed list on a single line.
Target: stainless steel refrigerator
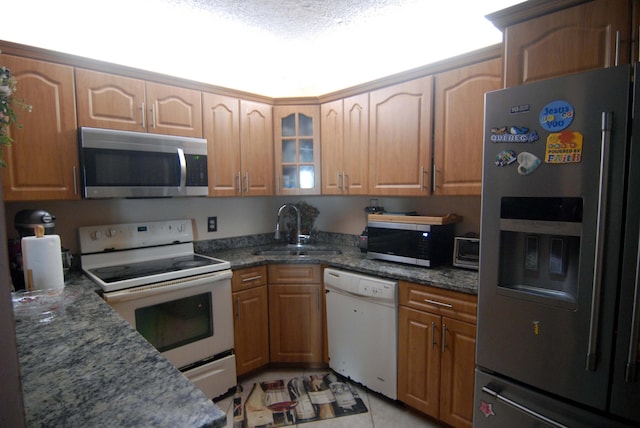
[(558, 296)]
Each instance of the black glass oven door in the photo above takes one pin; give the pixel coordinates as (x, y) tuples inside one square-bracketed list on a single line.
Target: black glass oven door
[(176, 323)]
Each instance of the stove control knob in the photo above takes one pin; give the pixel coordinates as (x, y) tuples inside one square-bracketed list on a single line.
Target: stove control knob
[(96, 234), (180, 227), (111, 233)]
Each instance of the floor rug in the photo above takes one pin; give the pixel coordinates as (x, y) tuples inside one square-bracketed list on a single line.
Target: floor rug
[(301, 399)]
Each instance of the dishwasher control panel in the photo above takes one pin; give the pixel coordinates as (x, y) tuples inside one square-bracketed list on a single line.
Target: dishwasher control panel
[(361, 285)]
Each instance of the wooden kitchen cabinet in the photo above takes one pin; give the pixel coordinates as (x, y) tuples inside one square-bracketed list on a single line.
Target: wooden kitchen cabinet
[(345, 143), (400, 127), (459, 126), (436, 352), (296, 139), (239, 136), (251, 318), (550, 39), (117, 102), (42, 163), (296, 305)]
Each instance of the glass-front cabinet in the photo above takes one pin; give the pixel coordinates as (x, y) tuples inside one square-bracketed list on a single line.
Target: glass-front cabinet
[(297, 149)]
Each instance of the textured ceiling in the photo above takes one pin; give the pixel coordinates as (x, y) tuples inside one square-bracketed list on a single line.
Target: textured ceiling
[(277, 48), (295, 19)]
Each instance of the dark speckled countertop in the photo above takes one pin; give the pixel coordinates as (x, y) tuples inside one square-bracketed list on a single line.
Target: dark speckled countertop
[(462, 280), (87, 367)]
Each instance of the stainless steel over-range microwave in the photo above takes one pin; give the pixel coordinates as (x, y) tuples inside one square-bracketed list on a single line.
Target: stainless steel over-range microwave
[(125, 164), (428, 245)]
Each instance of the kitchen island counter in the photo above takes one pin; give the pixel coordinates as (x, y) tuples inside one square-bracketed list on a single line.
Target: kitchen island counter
[(87, 367), (352, 259)]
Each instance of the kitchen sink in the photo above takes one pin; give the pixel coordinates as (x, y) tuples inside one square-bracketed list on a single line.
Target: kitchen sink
[(294, 250)]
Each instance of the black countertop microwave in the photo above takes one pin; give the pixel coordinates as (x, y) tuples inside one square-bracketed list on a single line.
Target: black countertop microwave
[(125, 164), (426, 245)]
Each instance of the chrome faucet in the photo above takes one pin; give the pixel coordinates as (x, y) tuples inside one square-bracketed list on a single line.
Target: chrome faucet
[(298, 235)]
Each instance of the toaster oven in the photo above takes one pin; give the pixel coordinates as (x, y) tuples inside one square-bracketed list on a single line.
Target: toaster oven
[(466, 252)]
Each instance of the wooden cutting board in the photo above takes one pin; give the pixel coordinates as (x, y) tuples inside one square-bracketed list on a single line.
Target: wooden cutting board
[(416, 219)]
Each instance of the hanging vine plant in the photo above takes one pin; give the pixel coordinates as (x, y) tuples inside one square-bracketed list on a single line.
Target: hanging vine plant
[(8, 87)]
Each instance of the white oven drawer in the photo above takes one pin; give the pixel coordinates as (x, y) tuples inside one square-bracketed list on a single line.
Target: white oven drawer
[(214, 378)]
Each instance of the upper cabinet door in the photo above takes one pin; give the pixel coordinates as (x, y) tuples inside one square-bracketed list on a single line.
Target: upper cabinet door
[(332, 138), (42, 163), (174, 111), (116, 102), (400, 139), (108, 101), (256, 148), (459, 124), (568, 41), (222, 131), (345, 146), (297, 149)]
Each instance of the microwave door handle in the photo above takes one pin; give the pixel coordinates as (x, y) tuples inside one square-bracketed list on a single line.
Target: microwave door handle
[(183, 171)]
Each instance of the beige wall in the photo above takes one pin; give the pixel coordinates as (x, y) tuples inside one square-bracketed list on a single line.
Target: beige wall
[(237, 216)]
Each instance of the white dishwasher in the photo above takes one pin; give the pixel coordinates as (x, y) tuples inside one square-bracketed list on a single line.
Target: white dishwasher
[(362, 326)]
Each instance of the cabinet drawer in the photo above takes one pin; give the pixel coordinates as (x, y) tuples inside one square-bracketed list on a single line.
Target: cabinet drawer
[(438, 301), (295, 274), (246, 278)]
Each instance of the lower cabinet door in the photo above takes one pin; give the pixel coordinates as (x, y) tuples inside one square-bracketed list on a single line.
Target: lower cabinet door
[(251, 329), (457, 372), (419, 355), (295, 319)]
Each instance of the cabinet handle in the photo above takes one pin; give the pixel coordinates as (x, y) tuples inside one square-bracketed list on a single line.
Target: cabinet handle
[(144, 115), (435, 302), (433, 335), (436, 173), (616, 60), (74, 170), (239, 183), (153, 115), (344, 181), (318, 299), (253, 278), (246, 182), (423, 172), (338, 183), (444, 337)]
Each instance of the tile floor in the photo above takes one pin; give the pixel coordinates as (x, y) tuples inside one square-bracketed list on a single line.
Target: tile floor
[(383, 412)]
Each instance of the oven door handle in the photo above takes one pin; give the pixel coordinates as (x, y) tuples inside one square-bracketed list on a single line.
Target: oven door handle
[(165, 287), (183, 171)]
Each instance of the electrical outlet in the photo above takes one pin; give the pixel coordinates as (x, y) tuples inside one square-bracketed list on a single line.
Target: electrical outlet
[(212, 224)]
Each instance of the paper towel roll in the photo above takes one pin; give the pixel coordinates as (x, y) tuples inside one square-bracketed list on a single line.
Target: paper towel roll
[(42, 262)]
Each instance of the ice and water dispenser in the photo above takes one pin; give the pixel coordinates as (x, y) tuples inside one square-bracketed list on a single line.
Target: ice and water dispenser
[(540, 248)]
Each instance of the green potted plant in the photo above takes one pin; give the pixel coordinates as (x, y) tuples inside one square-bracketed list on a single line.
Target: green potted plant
[(8, 86), (308, 215)]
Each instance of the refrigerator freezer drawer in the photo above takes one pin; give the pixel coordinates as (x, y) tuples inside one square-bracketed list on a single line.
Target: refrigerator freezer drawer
[(501, 403)]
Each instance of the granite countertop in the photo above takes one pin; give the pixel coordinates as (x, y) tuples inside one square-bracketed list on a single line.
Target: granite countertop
[(447, 277), (87, 367)]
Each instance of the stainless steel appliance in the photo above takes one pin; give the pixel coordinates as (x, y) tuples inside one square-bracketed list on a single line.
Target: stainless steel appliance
[(558, 318), (466, 252), (362, 327), (178, 300), (125, 164), (409, 240)]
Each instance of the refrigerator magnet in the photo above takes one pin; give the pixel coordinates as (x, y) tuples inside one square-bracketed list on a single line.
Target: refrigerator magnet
[(506, 157), (527, 163), (556, 116), (564, 147)]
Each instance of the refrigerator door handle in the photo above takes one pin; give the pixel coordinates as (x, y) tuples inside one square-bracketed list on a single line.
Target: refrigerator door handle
[(607, 119), (632, 355), (522, 408)]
